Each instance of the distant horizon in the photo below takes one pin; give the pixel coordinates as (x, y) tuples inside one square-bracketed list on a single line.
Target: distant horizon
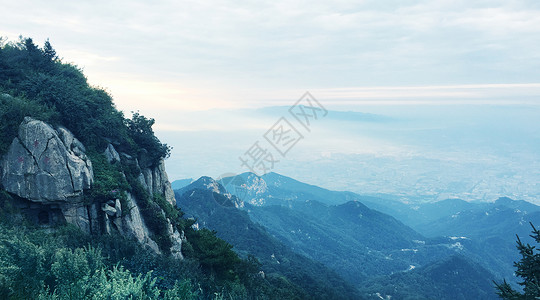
[(461, 78), (382, 196)]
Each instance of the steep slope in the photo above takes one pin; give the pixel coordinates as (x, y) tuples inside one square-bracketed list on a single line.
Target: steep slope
[(67, 155), (52, 181), (204, 199)]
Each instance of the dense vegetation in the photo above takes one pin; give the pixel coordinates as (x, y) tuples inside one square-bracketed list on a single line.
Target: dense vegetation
[(68, 264), (34, 82)]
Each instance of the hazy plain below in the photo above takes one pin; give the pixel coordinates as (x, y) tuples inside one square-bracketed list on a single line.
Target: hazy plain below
[(415, 152)]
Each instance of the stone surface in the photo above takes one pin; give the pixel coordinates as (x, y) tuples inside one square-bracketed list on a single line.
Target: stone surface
[(155, 180), (49, 168), (118, 207), (109, 210), (135, 226), (111, 154), (43, 167), (77, 215), (176, 238)]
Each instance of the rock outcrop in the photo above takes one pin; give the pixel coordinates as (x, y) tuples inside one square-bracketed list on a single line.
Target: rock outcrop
[(49, 170), (46, 165), (155, 180)]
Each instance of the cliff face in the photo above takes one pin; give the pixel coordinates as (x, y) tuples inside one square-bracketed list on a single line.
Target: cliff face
[(48, 169)]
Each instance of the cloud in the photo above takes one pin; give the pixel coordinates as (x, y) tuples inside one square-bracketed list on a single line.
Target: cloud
[(502, 94), (242, 49)]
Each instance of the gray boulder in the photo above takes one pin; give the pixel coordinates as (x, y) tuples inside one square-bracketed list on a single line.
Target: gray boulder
[(111, 154), (45, 165)]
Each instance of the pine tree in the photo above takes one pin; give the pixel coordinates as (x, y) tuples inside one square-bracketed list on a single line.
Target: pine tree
[(528, 268), (49, 52)]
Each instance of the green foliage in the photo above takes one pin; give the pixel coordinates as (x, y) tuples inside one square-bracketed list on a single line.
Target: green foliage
[(51, 90), (140, 129), (528, 268), (182, 290), (22, 270), (68, 264), (109, 181), (12, 112), (36, 264), (214, 254), (58, 93)]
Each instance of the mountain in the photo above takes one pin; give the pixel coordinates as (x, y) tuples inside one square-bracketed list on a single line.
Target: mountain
[(208, 202), (357, 242), (350, 238), (486, 230), (453, 278), (491, 229), (483, 231), (419, 215), (276, 189)]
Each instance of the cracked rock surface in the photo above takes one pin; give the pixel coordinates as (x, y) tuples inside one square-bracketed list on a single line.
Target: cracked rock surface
[(46, 165)]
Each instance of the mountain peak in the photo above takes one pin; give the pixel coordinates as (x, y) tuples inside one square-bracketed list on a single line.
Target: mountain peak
[(207, 183)]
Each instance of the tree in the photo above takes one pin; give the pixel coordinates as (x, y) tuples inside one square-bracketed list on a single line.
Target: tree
[(214, 254), (140, 130), (49, 52), (528, 268)]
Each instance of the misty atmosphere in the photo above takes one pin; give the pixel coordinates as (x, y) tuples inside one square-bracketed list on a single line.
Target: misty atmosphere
[(270, 150)]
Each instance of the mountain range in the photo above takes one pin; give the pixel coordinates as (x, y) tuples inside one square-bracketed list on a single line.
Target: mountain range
[(370, 248)]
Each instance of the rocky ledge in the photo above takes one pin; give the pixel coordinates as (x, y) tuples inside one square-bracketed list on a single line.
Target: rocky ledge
[(49, 172)]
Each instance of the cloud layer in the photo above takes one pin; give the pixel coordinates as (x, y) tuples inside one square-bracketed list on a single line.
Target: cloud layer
[(221, 53)]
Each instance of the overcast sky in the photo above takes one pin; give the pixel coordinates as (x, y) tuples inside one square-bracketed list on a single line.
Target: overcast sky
[(227, 54)]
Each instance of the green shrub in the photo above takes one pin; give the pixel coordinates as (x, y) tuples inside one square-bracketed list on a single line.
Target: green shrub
[(109, 181), (214, 254), (12, 112)]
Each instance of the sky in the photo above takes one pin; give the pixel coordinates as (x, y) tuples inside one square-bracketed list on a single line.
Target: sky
[(193, 65), (225, 54)]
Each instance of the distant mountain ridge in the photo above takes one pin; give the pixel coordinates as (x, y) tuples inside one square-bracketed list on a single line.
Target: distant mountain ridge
[(276, 189), (214, 208)]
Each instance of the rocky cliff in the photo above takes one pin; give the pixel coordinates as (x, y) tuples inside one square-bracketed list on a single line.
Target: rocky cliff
[(50, 173)]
